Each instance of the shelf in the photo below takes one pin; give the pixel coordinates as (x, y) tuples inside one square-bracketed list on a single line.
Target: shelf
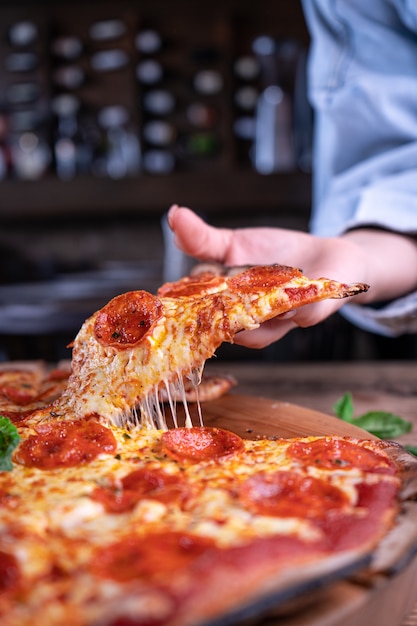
[(210, 192), (195, 39)]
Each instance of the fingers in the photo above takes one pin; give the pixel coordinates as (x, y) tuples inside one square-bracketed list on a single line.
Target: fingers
[(266, 334), (249, 246), (312, 314), (276, 328), (196, 238)]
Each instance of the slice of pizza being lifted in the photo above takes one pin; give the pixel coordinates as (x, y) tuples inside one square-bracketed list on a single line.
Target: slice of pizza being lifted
[(140, 346)]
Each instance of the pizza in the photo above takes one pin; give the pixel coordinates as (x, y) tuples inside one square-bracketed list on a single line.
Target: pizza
[(110, 518), (29, 386), (103, 525), (140, 345)]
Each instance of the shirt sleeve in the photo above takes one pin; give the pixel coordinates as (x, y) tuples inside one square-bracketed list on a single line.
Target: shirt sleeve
[(363, 81)]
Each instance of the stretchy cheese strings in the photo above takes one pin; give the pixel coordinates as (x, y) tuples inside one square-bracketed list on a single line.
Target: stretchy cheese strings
[(150, 412)]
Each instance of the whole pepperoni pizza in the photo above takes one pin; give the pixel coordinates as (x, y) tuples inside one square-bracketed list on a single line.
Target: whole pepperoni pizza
[(110, 518)]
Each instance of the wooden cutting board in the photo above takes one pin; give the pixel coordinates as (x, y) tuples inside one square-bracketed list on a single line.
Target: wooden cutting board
[(252, 416)]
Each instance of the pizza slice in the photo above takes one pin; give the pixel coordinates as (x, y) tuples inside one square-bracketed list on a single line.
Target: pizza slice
[(27, 386), (140, 345)]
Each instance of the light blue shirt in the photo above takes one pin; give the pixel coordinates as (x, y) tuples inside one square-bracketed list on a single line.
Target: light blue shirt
[(363, 87)]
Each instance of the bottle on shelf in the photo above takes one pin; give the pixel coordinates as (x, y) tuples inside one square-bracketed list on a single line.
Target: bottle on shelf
[(123, 154), (107, 30), (23, 33), (148, 41), (67, 48), (65, 108), (30, 156), (274, 143)]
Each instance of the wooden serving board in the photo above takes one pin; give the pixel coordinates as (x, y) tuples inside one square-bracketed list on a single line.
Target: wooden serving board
[(251, 416)]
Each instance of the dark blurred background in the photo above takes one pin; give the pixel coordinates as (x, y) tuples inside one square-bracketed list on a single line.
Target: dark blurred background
[(112, 111)]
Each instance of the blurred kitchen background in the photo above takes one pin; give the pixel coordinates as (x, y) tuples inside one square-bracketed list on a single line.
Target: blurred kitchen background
[(112, 111)]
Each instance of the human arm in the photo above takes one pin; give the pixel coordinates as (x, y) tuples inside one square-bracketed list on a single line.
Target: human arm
[(387, 261)]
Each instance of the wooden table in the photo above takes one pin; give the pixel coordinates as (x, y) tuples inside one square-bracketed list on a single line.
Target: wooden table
[(387, 386)]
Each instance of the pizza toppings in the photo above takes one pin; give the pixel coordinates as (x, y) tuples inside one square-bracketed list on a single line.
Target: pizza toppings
[(18, 393), (7, 498), (9, 439), (19, 386), (302, 295), (65, 444), (9, 572), (290, 494), (16, 416), (143, 526), (331, 453), (156, 556), (373, 515), (145, 483), (192, 286), (26, 387), (262, 278), (197, 444), (127, 319)]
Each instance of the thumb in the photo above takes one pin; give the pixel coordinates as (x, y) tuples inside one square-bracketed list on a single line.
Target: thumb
[(196, 238)]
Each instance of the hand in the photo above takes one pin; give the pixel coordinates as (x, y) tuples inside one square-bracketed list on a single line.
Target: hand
[(378, 258)]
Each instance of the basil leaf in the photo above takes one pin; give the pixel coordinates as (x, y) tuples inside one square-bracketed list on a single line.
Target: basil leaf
[(344, 407), (383, 424), (411, 449), (9, 439)]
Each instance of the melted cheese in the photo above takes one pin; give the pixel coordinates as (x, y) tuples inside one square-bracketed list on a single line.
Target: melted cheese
[(121, 382), (59, 523)]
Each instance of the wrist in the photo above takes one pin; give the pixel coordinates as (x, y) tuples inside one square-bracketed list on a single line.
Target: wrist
[(388, 260)]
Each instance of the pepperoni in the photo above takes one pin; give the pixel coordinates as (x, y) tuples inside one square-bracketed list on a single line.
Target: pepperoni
[(376, 497), (158, 555), (196, 286), (51, 392), (331, 453), (200, 443), (16, 416), (19, 386), (154, 484), (9, 572), (58, 373), (302, 295), (18, 393), (289, 494), (263, 277), (375, 501), (65, 444), (126, 319)]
